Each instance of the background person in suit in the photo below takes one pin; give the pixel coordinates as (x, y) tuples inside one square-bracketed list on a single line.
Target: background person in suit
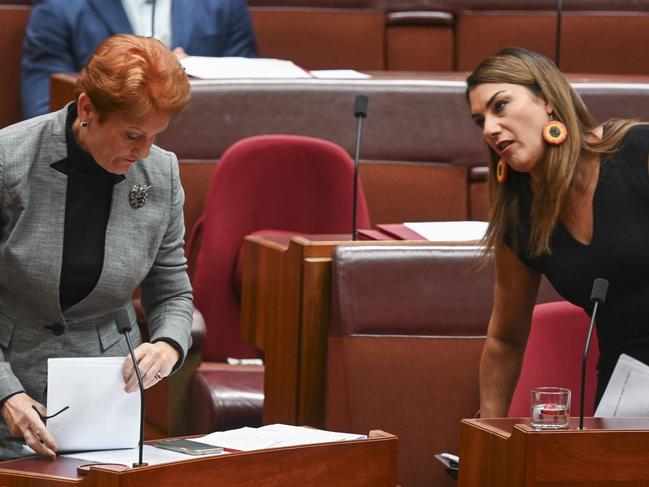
[(570, 200), (62, 34), (89, 211)]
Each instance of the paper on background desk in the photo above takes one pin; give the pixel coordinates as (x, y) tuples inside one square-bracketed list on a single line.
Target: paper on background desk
[(460, 231), (100, 415), (204, 67), (338, 74), (626, 393)]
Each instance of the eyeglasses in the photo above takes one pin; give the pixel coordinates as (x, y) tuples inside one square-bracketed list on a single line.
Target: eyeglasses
[(45, 418)]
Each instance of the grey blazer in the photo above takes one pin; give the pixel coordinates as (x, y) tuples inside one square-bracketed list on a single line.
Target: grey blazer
[(144, 247)]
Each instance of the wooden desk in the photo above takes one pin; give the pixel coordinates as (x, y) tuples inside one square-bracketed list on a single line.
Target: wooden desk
[(285, 312), (508, 452), (321, 465)]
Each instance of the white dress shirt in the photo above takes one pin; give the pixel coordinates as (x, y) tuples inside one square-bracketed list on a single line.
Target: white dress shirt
[(140, 13)]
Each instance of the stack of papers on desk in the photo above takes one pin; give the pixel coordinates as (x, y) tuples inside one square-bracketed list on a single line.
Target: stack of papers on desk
[(242, 439), (100, 414), (274, 436), (626, 393), (241, 68)]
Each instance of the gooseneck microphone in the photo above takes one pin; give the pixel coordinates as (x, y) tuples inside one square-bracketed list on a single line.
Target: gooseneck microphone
[(360, 112), (123, 324), (597, 297)]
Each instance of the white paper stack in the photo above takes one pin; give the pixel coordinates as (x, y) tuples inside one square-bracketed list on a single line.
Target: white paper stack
[(626, 393), (274, 436), (100, 414)]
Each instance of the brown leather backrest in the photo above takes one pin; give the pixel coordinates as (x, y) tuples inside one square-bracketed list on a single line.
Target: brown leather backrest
[(605, 40), (13, 22), (321, 38), (421, 291), (409, 120), (418, 138)]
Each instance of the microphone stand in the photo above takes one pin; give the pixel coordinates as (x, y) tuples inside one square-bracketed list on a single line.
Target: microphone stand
[(360, 112), (123, 324), (597, 296)]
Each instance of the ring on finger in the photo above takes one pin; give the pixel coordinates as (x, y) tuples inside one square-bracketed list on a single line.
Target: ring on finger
[(158, 376)]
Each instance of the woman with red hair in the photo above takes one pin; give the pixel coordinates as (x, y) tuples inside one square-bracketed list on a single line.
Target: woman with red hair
[(90, 210)]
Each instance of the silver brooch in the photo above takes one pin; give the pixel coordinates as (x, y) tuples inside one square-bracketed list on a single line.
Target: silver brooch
[(138, 195)]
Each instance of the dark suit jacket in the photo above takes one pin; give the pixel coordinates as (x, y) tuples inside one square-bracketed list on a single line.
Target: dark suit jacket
[(62, 34)]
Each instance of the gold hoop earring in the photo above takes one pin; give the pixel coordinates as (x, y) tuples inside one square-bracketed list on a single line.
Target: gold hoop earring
[(501, 172), (554, 132)]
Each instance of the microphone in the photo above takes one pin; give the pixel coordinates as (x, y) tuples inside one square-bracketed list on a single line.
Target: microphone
[(558, 46), (360, 112), (597, 297), (123, 324)]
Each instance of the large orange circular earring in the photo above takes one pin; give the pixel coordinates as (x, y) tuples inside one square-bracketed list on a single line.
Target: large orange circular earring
[(501, 172), (554, 132)]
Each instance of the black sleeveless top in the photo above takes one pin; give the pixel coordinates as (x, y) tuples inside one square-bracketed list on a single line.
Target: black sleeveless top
[(618, 252)]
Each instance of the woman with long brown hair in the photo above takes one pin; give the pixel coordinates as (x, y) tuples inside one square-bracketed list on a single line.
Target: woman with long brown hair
[(570, 200)]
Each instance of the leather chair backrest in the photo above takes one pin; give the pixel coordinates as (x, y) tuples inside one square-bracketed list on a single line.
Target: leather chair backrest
[(273, 182)]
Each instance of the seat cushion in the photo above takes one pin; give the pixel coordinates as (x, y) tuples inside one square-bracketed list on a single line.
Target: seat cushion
[(224, 397)]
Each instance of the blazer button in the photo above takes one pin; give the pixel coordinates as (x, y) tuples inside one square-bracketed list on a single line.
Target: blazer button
[(57, 328)]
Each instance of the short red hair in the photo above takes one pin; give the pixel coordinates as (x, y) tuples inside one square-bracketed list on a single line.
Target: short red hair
[(134, 75)]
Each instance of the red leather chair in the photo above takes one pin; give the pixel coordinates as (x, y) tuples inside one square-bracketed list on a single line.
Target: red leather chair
[(553, 357), (278, 184)]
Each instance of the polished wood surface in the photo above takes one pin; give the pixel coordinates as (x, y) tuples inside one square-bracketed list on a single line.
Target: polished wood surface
[(499, 452), (313, 465)]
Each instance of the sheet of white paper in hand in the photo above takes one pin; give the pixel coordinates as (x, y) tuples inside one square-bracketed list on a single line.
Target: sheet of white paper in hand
[(626, 393), (241, 68), (462, 231), (101, 414), (274, 436)]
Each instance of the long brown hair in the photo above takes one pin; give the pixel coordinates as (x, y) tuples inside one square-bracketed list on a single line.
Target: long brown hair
[(560, 179)]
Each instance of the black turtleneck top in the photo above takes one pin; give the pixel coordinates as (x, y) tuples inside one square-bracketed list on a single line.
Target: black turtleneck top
[(87, 209)]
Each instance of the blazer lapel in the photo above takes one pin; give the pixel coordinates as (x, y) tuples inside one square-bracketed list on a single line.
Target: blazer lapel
[(113, 15), (54, 149)]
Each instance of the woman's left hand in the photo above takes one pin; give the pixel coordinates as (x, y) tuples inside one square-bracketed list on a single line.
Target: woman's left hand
[(156, 360)]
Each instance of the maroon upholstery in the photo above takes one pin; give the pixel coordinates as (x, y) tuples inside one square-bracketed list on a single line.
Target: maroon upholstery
[(226, 397), (553, 357), (278, 182)]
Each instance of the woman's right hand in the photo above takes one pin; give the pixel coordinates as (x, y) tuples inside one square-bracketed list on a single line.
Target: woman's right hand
[(24, 422)]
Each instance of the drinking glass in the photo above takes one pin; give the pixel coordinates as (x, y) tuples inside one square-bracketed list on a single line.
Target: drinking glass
[(550, 408)]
